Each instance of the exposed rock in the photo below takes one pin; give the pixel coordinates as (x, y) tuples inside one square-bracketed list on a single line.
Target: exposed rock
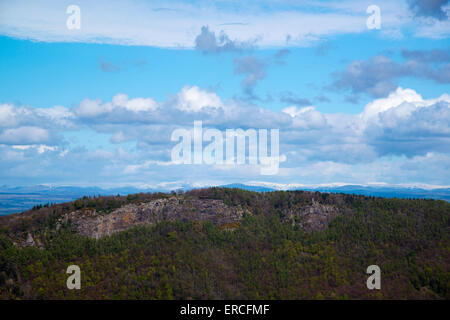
[(313, 217), (96, 225), (30, 240)]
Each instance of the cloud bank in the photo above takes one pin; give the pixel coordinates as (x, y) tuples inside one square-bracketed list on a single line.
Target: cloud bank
[(182, 25), (401, 136)]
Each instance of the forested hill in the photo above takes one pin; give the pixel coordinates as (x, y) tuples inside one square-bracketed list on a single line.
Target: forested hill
[(221, 243)]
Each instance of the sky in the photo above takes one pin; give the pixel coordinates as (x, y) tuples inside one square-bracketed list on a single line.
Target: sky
[(358, 97)]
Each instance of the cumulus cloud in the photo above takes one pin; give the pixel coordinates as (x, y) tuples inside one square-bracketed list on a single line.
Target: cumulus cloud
[(28, 126), (410, 130), (59, 115), (25, 135), (400, 118), (402, 126), (385, 126), (306, 118), (91, 108), (404, 123), (394, 99), (134, 105), (8, 115), (193, 99), (377, 75), (207, 42), (121, 105)]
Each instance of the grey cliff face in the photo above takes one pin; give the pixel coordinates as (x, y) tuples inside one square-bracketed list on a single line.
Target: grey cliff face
[(96, 225), (313, 217)]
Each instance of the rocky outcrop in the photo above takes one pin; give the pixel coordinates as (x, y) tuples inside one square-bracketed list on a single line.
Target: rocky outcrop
[(27, 240), (30, 240), (312, 217), (96, 224)]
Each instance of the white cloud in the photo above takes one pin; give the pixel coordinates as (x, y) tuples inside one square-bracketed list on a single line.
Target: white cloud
[(39, 148), (11, 116), (434, 29), (7, 115), (91, 108), (59, 114), (400, 138), (394, 99), (136, 168), (306, 118), (398, 108), (135, 105), (24, 135), (386, 126), (94, 108), (43, 148), (193, 99), (178, 24)]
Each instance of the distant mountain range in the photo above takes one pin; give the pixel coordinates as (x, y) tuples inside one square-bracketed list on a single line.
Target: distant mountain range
[(20, 198), (377, 191)]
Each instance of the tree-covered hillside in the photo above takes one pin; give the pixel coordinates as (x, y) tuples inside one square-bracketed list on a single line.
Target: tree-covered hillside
[(286, 245)]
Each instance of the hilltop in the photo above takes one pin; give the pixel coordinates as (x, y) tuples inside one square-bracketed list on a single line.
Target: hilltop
[(223, 243), (15, 199)]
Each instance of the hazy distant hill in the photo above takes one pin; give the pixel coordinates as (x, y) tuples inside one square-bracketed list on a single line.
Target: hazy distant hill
[(18, 199), (382, 191), (247, 187), (389, 192)]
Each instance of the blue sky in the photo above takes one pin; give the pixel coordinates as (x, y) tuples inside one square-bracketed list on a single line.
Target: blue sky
[(96, 106)]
